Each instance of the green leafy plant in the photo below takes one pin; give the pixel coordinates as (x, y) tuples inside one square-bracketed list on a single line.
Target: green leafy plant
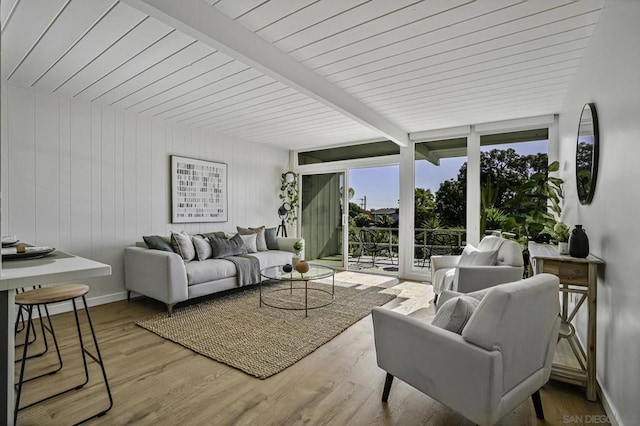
[(289, 194), (298, 246), (535, 206), (561, 232)]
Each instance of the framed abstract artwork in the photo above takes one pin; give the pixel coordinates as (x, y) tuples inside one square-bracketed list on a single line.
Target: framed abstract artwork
[(198, 191)]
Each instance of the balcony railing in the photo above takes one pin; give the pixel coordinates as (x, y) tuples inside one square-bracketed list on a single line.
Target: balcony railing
[(426, 242)]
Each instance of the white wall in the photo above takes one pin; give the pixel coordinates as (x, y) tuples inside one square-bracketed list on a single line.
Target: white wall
[(609, 76), (91, 180)]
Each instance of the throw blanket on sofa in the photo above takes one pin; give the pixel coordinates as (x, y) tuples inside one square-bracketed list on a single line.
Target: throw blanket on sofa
[(247, 267)]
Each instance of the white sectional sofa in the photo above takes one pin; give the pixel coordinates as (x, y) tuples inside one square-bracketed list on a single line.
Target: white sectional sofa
[(165, 276)]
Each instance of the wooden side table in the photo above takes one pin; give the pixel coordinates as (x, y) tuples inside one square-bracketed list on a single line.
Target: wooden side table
[(577, 276)]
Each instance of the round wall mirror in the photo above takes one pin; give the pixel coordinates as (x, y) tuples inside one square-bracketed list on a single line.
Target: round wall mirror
[(587, 153)]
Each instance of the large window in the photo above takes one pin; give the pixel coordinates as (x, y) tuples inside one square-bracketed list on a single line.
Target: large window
[(440, 199), (507, 163)]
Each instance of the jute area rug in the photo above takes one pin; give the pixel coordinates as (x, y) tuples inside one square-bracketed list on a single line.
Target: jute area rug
[(262, 341)]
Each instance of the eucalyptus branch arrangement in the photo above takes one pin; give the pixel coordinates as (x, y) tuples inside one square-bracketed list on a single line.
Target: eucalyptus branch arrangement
[(289, 194)]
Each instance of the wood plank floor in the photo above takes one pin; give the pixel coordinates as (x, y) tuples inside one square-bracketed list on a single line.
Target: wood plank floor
[(157, 382)]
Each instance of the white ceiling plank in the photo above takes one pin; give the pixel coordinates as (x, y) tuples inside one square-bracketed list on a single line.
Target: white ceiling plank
[(65, 31), (386, 40), (28, 21), (267, 13), (143, 37), (118, 22), (493, 59), (479, 71), (482, 98), (469, 80), (312, 113), (212, 82), (155, 54), (414, 100), (233, 90), (235, 8), (7, 8), (356, 16), (386, 59), (211, 26), (306, 17), (317, 52), (246, 111), (171, 65), (144, 97)]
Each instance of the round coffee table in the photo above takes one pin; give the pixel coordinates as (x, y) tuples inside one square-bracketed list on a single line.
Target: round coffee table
[(316, 272)]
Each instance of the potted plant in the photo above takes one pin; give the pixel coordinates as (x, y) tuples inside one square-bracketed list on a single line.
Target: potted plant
[(297, 246), (561, 233)]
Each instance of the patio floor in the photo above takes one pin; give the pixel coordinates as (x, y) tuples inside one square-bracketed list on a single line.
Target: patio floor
[(383, 265)]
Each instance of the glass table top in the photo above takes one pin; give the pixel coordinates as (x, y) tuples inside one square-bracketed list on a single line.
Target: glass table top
[(315, 272)]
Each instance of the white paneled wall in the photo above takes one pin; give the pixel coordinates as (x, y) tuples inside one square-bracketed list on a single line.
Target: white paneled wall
[(91, 180)]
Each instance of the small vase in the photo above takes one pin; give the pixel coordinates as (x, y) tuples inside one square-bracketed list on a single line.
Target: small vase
[(302, 266), (294, 260), (578, 242), (563, 247)]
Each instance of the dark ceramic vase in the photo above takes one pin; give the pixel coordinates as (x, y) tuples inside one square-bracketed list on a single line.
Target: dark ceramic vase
[(578, 242)]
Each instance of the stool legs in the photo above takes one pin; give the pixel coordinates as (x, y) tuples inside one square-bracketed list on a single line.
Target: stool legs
[(97, 358)]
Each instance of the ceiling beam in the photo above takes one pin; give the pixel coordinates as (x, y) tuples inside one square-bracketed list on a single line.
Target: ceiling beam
[(212, 27)]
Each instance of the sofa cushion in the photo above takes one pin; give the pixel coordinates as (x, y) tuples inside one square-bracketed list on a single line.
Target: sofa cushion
[(271, 237), (222, 247), (209, 270), (472, 256), (182, 244), (157, 242), (271, 258), (454, 314), (249, 242), (261, 242), (203, 248)]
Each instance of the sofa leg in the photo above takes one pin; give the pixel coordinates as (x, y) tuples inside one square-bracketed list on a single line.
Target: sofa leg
[(537, 404), (435, 299), (170, 308), (128, 295), (387, 387)]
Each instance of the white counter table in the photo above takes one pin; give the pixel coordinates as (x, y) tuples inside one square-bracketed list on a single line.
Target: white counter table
[(58, 267)]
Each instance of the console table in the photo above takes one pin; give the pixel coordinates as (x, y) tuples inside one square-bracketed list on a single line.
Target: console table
[(577, 276)]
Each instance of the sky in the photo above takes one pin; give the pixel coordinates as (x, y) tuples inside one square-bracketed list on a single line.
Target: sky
[(381, 185)]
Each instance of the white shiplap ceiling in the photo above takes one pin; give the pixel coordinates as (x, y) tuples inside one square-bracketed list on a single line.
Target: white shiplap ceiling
[(403, 65)]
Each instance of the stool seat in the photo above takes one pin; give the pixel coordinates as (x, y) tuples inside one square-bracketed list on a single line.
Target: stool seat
[(46, 295)]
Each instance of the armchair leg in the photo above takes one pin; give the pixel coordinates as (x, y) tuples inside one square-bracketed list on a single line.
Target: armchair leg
[(537, 404), (435, 299), (387, 387)]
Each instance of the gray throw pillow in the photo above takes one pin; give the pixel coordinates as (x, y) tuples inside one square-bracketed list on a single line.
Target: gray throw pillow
[(157, 242), (217, 234), (261, 242), (202, 246), (182, 244), (271, 237), (454, 313), (222, 247)]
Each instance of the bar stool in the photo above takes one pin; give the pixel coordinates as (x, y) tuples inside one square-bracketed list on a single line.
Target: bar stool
[(44, 296), (21, 326)]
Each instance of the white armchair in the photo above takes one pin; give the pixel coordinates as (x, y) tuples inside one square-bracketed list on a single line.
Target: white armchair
[(503, 356), (447, 274)]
